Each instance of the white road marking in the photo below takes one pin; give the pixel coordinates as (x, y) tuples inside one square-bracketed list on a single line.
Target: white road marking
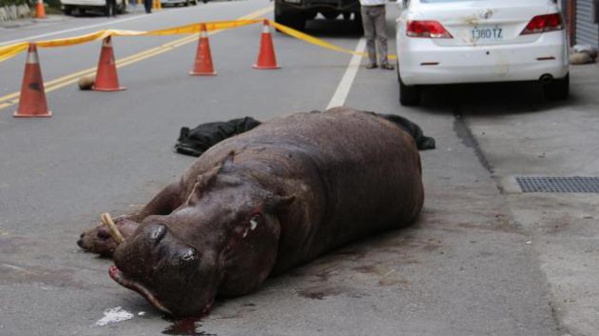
[(36, 37), (345, 84)]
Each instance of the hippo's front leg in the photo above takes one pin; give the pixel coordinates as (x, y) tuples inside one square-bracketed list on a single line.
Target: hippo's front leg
[(99, 240)]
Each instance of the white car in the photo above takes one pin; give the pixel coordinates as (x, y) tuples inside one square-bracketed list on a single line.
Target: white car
[(481, 41)]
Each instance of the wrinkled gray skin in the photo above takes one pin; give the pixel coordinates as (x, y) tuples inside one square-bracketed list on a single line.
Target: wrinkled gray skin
[(261, 202)]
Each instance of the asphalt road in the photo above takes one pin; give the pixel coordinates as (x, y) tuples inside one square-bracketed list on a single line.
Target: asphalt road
[(484, 258)]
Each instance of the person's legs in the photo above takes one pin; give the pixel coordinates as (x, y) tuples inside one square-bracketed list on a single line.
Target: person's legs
[(369, 34), (380, 25)]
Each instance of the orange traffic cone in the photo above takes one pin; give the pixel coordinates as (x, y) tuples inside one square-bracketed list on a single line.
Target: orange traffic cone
[(32, 101), (40, 10), (266, 57), (107, 78), (203, 62)]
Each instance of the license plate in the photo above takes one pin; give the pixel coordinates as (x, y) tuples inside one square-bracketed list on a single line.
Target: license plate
[(487, 33)]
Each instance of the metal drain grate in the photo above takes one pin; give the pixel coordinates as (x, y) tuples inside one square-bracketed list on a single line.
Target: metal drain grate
[(574, 184)]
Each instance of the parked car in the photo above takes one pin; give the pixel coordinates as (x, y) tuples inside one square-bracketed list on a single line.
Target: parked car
[(69, 6), (481, 41)]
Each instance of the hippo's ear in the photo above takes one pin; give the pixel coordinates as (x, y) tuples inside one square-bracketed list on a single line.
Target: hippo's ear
[(278, 203), (202, 183), (227, 162)]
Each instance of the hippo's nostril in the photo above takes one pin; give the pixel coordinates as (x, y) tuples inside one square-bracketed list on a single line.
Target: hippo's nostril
[(188, 254), (158, 232)]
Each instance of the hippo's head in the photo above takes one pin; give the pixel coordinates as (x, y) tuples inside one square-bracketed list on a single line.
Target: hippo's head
[(223, 240)]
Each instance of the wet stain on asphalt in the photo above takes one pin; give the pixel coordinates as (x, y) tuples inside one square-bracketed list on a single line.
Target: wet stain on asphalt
[(185, 327)]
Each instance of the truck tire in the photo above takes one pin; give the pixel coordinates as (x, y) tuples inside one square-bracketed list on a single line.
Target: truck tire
[(122, 8), (109, 10)]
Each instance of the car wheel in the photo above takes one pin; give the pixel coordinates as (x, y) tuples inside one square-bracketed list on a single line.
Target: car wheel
[(558, 89), (122, 8), (68, 10), (108, 10), (408, 95)]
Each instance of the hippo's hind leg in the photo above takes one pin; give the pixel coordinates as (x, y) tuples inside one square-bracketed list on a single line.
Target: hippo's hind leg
[(99, 240)]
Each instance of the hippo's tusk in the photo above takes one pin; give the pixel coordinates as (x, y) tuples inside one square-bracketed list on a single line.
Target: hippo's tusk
[(114, 231)]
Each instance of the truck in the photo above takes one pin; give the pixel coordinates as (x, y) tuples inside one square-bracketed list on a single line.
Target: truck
[(295, 13), (69, 6)]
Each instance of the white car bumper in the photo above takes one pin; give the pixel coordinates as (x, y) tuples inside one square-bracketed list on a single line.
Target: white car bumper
[(424, 62)]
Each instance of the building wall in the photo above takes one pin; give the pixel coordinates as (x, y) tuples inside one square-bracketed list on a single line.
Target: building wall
[(587, 32)]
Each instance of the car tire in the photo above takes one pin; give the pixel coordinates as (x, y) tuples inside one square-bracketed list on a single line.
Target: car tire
[(68, 10), (109, 10), (558, 89), (122, 8), (408, 95)]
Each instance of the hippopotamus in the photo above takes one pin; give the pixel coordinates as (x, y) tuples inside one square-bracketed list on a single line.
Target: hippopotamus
[(264, 201)]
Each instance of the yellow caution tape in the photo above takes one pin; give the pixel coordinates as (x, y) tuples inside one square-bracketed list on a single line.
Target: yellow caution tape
[(12, 50), (310, 39), (321, 43)]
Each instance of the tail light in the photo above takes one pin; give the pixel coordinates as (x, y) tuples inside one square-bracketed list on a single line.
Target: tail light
[(543, 23), (427, 29)]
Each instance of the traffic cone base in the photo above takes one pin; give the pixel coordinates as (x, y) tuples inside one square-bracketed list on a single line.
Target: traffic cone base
[(203, 61), (32, 100), (107, 79), (100, 89), (202, 73), (19, 114), (257, 66)]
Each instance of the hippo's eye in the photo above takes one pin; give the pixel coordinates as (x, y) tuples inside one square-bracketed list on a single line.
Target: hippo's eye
[(255, 220)]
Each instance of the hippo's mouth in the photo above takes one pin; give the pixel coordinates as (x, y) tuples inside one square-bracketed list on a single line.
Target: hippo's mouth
[(122, 279)]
